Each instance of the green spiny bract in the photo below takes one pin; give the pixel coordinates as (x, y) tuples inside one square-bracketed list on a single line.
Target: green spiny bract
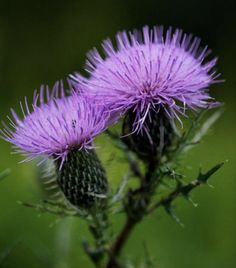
[(82, 179), (152, 143)]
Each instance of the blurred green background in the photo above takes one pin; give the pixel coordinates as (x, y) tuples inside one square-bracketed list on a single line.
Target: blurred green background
[(43, 41)]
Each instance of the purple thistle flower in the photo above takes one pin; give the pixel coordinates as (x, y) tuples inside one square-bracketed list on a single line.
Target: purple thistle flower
[(56, 125), (149, 71)]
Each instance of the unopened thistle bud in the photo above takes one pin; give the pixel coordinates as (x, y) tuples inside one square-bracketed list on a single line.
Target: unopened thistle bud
[(63, 128), (82, 179)]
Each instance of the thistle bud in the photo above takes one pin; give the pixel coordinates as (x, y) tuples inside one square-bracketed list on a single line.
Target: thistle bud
[(82, 179)]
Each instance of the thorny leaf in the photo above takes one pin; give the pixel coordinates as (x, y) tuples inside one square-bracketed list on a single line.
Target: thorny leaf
[(120, 190), (57, 209), (192, 137), (184, 190), (203, 177), (203, 129), (170, 210)]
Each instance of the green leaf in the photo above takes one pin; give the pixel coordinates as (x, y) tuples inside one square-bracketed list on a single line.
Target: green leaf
[(206, 125), (203, 177), (170, 210), (190, 200), (120, 190), (59, 209)]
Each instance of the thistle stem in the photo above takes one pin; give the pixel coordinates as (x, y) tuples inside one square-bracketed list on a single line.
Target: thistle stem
[(98, 227), (140, 197), (119, 243)]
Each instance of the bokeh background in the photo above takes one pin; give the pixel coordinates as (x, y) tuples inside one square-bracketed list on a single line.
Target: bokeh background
[(43, 41)]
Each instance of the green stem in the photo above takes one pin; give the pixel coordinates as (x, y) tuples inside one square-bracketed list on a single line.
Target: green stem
[(138, 202), (98, 227), (119, 243)]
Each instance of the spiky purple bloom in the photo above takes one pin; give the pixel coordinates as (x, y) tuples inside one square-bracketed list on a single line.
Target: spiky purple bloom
[(151, 71), (56, 125)]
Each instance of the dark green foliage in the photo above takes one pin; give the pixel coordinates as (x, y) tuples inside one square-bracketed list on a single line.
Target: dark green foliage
[(82, 179), (184, 190)]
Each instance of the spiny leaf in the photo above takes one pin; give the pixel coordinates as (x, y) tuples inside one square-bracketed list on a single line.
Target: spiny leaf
[(170, 172), (195, 133), (189, 199), (170, 210), (120, 190), (203, 177), (202, 130), (57, 209), (207, 125), (184, 189)]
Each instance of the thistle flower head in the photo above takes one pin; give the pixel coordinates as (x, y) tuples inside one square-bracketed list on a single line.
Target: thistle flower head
[(56, 125), (149, 70)]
